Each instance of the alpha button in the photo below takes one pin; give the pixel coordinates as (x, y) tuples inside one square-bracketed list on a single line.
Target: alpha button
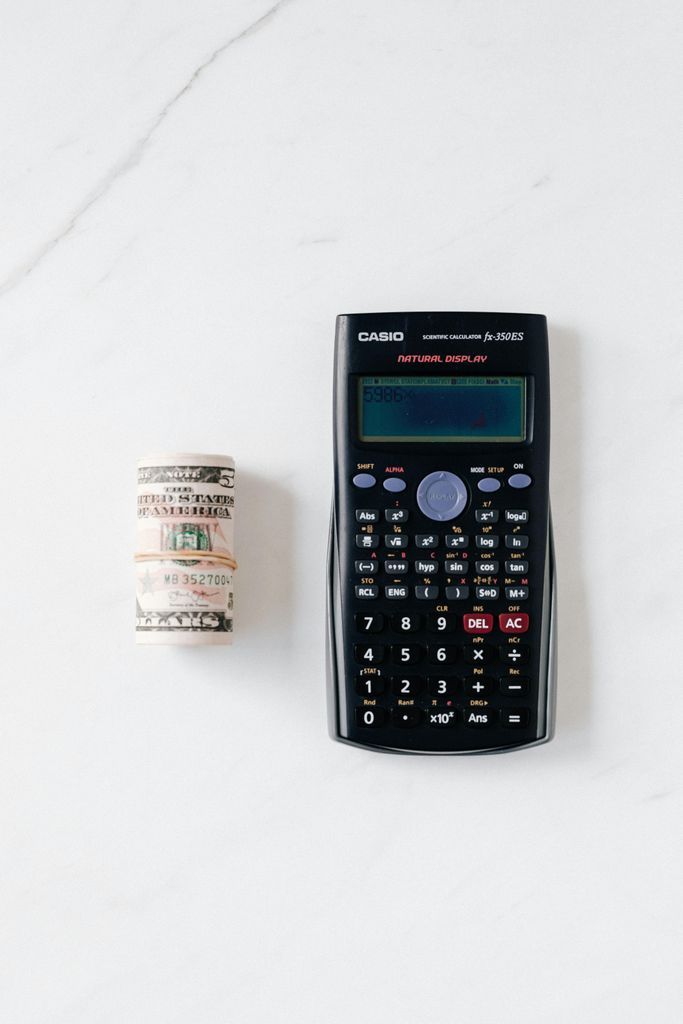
[(441, 496)]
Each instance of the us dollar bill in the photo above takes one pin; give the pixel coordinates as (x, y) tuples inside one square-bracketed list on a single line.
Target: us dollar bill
[(184, 558)]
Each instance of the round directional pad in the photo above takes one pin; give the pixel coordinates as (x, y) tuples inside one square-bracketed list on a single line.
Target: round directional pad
[(441, 496)]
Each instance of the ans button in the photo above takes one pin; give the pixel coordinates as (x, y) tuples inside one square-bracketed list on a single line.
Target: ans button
[(394, 484), (364, 480), (488, 484), (519, 481)]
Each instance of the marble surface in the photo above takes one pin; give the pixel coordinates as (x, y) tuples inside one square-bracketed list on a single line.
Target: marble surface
[(190, 193)]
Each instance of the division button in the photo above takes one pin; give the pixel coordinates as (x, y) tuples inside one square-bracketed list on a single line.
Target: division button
[(518, 655), (478, 717), (365, 591), (516, 541), (364, 480), (370, 686), (398, 592), (370, 717), (406, 718), (515, 718), (394, 484), (367, 515), (396, 567), (457, 540), (457, 593), (487, 593), (427, 540), (426, 593), (367, 540), (486, 541), (517, 593), (441, 496), (396, 540), (514, 686), (517, 515), (517, 568), (486, 515), (441, 719), (370, 568), (488, 484), (479, 686), (519, 481), (396, 515), (477, 622), (513, 622), (369, 622)]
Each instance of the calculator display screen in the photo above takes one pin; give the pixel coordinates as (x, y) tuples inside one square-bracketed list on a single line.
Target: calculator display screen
[(442, 409)]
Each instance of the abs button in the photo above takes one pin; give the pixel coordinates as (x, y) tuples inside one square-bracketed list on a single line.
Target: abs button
[(441, 496)]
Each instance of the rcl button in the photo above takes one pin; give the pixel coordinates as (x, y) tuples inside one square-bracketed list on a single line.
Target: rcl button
[(516, 622), (477, 623)]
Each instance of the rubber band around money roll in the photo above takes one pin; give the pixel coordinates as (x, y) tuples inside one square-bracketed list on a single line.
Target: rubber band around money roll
[(186, 556)]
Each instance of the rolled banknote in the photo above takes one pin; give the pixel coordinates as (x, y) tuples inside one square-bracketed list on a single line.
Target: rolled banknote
[(184, 556)]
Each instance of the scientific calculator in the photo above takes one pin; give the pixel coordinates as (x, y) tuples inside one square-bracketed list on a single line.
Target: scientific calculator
[(440, 625)]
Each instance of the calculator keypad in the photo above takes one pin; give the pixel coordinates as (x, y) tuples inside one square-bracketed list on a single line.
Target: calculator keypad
[(453, 658)]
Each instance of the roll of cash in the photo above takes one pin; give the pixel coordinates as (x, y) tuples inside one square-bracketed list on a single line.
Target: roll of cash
[(184, 557)]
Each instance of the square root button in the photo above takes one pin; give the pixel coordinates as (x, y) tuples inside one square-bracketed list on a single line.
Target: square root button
[(513, 622), (477, 623)]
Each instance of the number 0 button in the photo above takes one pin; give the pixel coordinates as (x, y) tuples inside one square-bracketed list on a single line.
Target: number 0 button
[(370, 716)]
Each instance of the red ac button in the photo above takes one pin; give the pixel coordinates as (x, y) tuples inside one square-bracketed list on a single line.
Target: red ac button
[(513, 622)]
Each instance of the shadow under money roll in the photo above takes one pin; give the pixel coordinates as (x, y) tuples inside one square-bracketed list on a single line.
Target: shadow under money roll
[(184, 556)]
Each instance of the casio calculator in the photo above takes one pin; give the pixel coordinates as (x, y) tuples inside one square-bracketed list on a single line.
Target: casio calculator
[(440, 625)]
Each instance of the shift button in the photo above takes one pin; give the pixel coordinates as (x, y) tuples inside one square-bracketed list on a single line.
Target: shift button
[(364, 480)]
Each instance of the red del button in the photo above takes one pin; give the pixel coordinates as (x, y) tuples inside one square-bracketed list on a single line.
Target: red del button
[(513, 622), (477, 623)]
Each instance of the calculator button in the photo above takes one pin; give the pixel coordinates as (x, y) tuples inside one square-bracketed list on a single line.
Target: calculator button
[(441, 718), (364, 480), (367, 568), (442, 655), (479, 654), (368, 654), (427, 540), (515, 718), (516, 541), (371, 717), (396, 567), (513, 622), (517, 593), (457, 540), (406, 654), (516, 515), (478, 718), (441, 496), (487, 593), (518, 655), (479, 686), (369, 623), (442, 686), (442, 623), (408, 686), (426, 568), (487, 567), (514, 686), (426, 593), (398, 592), (370, 686), (486, 515), (519, 481), (367, 540), (366, 592), (367, 515), (516, 568), (396, 540), (406, 718), (406, 623), (477, 623), (394, 484), (396, 515), (487, 541), (457, 593), (455, 568), (488, 484)]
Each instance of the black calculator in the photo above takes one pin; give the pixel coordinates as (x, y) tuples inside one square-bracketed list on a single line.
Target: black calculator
[(440, 624)]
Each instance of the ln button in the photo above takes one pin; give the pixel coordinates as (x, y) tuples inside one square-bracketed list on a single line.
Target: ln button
[(513, 622), (477, 623)]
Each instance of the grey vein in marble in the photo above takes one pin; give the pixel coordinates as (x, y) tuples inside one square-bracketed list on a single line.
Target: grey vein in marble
[(132, 159)]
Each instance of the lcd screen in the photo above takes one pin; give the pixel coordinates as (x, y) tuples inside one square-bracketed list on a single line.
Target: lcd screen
[(442, 409)]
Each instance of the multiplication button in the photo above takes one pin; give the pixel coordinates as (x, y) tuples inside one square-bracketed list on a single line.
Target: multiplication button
[(478, 654)]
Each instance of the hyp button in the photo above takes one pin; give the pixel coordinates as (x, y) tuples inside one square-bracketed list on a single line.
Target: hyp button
[(441, 496)]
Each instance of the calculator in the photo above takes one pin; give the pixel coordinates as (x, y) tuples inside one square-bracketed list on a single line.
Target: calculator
[(441, 583)]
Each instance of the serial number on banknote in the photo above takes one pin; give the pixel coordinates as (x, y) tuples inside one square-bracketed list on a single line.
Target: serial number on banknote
[(214, 579)]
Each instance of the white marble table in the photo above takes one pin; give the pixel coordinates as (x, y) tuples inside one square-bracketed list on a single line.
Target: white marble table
[(190, 193)]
